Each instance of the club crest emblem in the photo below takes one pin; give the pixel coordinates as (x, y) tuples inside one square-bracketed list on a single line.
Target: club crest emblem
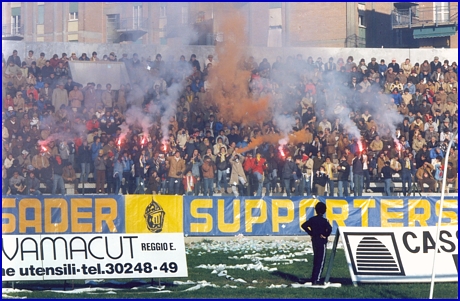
[(154, 217)]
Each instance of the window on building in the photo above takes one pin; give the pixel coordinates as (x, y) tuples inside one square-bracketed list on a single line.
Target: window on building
[(163, 11), (184, 14), (16, 20), (73, 16), (275, 5), (441, 11), (137, 16), (41, 15), (361, 21), (113, 23), (73, 11)]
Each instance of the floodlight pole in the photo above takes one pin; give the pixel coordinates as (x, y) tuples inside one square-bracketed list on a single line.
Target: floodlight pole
[(444, 179)]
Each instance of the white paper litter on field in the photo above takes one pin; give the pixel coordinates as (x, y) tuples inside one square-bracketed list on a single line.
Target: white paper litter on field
[(277, 286), (83, 290), (200, 284), (7, 290), (188, 282)]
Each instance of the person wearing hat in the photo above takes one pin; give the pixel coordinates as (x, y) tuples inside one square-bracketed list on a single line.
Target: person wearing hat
[(450, 74), (73, 57), (19, 102), (124, 58), (112, 57), (210, 60), (435, 64), (450, 106), (24, 159), (442, 84), (19, 81), (394, 65), (446, 124)]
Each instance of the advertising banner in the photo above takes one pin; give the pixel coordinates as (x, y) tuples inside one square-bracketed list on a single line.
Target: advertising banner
[(92, 214), (225, 216), (400, 254), (213, 216), (92, 237), (93, 256)]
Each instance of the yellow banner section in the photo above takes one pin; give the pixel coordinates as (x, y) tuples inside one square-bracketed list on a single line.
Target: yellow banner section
[(153, 214)]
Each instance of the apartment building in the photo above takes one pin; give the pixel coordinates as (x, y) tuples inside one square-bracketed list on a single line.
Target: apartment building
[(272, 24)]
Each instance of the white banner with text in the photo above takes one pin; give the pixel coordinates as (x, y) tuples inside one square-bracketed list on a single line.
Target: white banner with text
[(400, 254), (93, 256)]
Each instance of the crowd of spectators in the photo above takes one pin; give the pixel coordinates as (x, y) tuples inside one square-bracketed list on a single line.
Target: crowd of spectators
[(54, 128)]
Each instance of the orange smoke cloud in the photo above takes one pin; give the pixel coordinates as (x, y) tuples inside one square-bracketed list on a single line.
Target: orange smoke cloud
[(229, 82), (295, 138)]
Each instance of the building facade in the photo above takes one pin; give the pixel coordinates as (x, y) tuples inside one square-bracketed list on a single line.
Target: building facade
[(269, 24)]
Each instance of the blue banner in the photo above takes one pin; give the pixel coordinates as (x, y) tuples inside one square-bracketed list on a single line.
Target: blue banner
[(250, 216)]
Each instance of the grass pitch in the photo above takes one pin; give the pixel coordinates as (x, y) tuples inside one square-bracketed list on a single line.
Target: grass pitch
[(241, 269)]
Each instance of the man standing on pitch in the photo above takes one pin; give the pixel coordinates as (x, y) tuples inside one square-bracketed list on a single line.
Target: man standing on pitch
[(319, 229)]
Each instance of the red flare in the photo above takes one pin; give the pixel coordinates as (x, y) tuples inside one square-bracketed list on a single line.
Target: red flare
[(119, 142), (44, 148), (360, 146), (283, 155)]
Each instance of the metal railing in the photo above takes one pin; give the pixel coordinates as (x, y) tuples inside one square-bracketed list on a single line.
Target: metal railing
[(418, 17), (132, 24), (12, 29)]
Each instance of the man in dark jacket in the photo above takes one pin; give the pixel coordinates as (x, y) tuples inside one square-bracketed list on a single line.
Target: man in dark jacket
[(386, 175), (84, 160), (222, 163), (407, 170), (32, 184), (289, 173), (99, 168), (344, 173), (358, 175), (319, 229), (57, 166)]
